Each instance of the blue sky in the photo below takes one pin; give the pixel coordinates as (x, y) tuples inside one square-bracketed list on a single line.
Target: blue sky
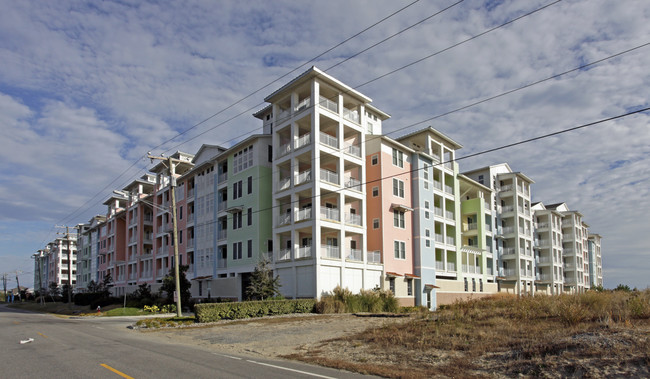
[(87, 88)]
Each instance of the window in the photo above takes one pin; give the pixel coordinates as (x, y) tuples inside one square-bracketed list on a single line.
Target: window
[(480, 179), (398, 219), (391, 285), (473, 284), (250, 185), (236, 250), (236, 190), (398, 158), (180, 214), (398, 188), (249, 217), (375, 223), (270, 151), (375, 191), (400, 250), (242, 159), (374, 159), (249, 248), (236, 220), (409, 287), (180, 237), (466, 286)]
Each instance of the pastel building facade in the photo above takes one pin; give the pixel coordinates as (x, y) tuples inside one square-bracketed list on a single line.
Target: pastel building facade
[(87, 248), (595, 260), (548, 250)]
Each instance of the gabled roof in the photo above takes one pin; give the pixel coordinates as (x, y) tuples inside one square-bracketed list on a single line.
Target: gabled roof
[(435, 132)]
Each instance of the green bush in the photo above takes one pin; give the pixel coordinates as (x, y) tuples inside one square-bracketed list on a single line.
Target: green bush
[(343, 301), (209, 312)]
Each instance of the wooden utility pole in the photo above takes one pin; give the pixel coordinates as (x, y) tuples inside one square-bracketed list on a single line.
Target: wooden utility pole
[(172, 188)]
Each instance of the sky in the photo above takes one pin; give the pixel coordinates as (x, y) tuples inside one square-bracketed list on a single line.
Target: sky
[(88, 88)]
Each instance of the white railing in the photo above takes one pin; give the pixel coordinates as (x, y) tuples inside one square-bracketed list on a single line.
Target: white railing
[(284, 149), (439, 238), (438, 211), (450, 240), (542, 225), (507, 229), (353, 150), (373, 256), (449, 215), (303, 177), (329, 176), (331, 252), (222, 234), (544, 259), (451, 266), (222, 177), (440, 265), (222, 206), (329, 140), (284, 219), (435, 157), (353, 184), (507, 208), (449, 189), (303, 214), (354, 219), (507, 272), (351, 115), (506, 188), (472, 226), (437, 185), (284, 184), (489, 271), (471, 269), (303, 140), (302, 105), (304, 252), (355, 255), (330, 213), (328, 104), (284, 255), (508, 251)]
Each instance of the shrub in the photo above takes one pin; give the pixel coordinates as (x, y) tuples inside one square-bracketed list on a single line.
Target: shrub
[(343, 301), (209, 312)]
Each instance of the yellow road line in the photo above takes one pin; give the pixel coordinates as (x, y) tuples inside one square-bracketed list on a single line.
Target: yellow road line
[(16, 322), (115, 371), (42, 334)]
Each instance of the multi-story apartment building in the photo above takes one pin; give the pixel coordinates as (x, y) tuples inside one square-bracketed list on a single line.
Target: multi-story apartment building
[(40, 270), (87, 248), (57, 261), (574, 249), (389, 217), (549, 270), (514, 226), (595, 260), (319, 174)]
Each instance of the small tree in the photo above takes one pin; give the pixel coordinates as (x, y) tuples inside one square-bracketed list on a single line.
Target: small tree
[(64, 292), (54, 290), (106, 285), (93, 287), (263, 285), (623, 287), (169, 286)]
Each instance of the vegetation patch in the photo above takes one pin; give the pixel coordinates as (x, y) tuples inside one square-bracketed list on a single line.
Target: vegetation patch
[(163, 322), (211, 312), (595, 334)]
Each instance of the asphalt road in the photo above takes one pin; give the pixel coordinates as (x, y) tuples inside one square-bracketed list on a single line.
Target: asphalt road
[(106, 348)]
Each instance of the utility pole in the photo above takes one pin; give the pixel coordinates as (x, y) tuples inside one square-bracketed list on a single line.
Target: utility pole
[(172, 188), (18, 284), (37, 257), (4, 282)]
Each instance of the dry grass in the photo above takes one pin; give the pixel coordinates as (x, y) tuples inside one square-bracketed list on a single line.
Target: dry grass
[(592, 335)]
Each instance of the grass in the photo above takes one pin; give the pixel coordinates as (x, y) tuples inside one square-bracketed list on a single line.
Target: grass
[(592, 334), (165, 322), (123, 312)]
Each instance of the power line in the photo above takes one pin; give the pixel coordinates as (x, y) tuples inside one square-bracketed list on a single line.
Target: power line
[(486, 151)]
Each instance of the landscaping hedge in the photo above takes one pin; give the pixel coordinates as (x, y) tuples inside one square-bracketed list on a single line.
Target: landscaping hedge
[(230, 311)]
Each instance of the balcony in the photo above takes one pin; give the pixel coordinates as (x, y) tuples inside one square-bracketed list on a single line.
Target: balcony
[(353, 219), (330, 214), (284, 255), (304, 252), (449, 189), (439, 238), (303, 177), (438, 211), (303, 140), (449, 215), (351, 115), (507, 230), (304, 104), (471, 226), (471, 269), (304, 214), (222, 234), (507, 208), (353, 184), (329, 176), (373, 257), (222, 177), (506, 188), (284, 184), (328, 104), (437, 185), (284, 219), (222, 263), (507, 251), (352, 150), (329, 140), (450, 240), (489, 271), (190, 193), (284, 149), (330, 252), (507, 272), (355, 255)]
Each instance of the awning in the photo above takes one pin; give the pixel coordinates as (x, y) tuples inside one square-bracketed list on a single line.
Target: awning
[(411, 276), (429, 287), (401, 207), (392, 275), (472, 249), (203, 277), (235, 208)]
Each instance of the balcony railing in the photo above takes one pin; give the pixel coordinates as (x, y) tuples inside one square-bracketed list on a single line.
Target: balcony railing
[(329, 140), (222, 234), (507, 250), (449, 215), (303, 140), (451, 266), (471, 269), (449, 189), (331, 252), (354, 219), (284, 219), (303, 177), (351, 115), (330, 213), (507, 272), (284, 184), (328, 104), (303, 214), (438, 211), (329, 176), (284, 255), (222, 177), (507, 229), (355, 255), (353, 184), (472, 226), (353, 150), (439, 238), (450, 240), (373, 257), (506, 188), (190, 193), (437, 185), (284, 149), (304, 252), (440, 265), (222, 206), (302, 105), (507, 208)]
